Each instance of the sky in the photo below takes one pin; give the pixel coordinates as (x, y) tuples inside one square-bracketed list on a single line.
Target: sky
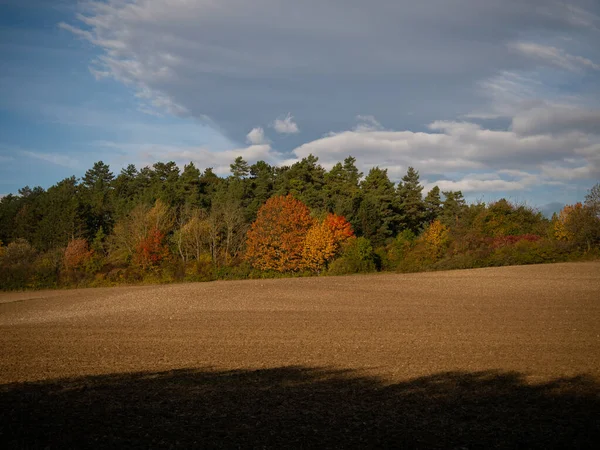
[(494, 98)]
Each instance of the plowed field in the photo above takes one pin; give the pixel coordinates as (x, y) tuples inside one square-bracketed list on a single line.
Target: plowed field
[(499, 357)]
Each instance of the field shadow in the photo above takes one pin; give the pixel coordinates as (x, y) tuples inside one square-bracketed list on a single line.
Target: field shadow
[(299, 407)]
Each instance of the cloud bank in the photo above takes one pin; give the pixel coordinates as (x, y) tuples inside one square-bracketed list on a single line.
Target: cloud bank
[(479, 96)]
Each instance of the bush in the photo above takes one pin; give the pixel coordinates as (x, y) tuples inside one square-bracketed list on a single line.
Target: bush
[(201, 269), (46, 270), (397, 250), (357, 257), (18, 252), (16, 265)]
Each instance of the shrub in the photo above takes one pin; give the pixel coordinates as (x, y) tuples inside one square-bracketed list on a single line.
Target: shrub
[(357, 257), (19, 252), (201, 269), (77, 254), (46, 269)]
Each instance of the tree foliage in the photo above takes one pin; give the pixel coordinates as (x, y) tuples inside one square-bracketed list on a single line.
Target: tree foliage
[(324, 241), (163, 222), (77, 254), (276, 238)]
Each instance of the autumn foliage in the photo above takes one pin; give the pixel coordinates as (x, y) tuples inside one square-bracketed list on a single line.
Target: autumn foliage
[(324, 241), (77, 254), (276, 238), (151, 250), (436, 238), (503, 241)]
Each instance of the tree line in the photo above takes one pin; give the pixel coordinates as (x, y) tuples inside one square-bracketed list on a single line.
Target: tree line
[(161, 224)]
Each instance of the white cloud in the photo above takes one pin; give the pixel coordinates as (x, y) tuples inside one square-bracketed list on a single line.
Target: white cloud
[(470, 184), (452, 145), (286, 125), (242, 63), (256, 136), (554, 56), (466, 156), (556, 118)]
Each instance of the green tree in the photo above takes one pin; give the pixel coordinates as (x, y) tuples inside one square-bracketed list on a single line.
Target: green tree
[(433, 204), (377, 215), (189, 186), (209, 182), (126, 189), (240, 168), (410, 202), (96, 199), (262, 185), (453, 208), (305, 181), (61, 216), (343, 190)]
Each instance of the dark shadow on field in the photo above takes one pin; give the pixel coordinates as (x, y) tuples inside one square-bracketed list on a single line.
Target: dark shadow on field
[(299, 407)]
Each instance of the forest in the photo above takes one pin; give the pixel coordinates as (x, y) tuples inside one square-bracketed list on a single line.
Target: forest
[(162, 224)]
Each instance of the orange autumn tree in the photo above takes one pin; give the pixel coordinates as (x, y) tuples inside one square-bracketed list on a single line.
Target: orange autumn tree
[(276, 239), (340, 227), (77, 254), (152, 249), (324, 241)]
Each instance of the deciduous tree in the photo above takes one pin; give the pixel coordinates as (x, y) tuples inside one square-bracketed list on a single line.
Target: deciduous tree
[(77, 254), (324, 241), (276, 238)]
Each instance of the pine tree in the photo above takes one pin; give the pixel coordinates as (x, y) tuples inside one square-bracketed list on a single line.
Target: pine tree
[(453, 208), (410, 202), (433, 204), (343, 190), (97, 199), (304, 180), (240, 168), (377, 215)]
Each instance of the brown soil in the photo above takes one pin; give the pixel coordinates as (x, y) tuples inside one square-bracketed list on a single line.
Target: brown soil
[(504, 357)]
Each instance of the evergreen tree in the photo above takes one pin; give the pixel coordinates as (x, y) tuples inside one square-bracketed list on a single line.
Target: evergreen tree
[(189, 186), (377, 215), (164, 178), (125, 191), (305, 181), (96, 199), (410, 202), (26, 213), (433, 204), (209, 181), (62, 218), (343, 190), (240, 168), (262, 183), (453, 208)]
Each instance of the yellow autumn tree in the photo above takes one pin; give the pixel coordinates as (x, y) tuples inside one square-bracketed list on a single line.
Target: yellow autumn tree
[(578, 225), (436, 238), (562, 222), (319, 247), (324, 241)]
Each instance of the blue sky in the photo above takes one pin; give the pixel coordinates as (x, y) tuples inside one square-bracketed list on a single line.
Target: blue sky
[(496, 98)]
